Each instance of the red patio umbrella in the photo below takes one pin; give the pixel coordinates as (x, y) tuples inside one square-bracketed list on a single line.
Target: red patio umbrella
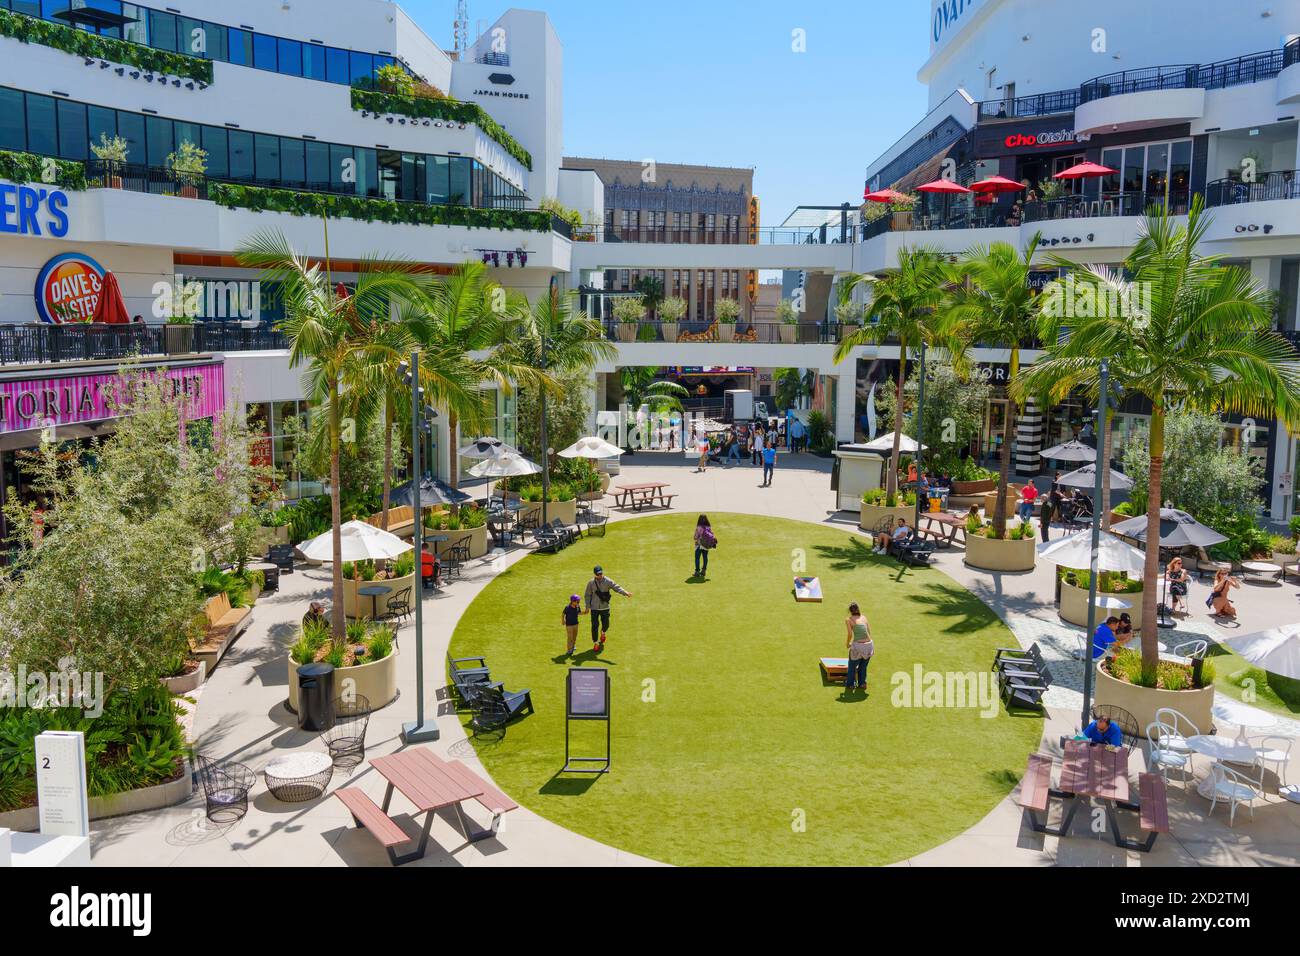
[(947, 188), (886, 195), (997, 184), (110, 308), (1085, 171)]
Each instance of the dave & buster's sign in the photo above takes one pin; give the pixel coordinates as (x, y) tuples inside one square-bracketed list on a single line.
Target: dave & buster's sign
[(68, 288)]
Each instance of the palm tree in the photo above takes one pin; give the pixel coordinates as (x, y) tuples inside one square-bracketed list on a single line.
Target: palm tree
[(652, 293), (1180, 329), (791, 387), (992, 302), (641, 386), (908, 305), (328, 328)]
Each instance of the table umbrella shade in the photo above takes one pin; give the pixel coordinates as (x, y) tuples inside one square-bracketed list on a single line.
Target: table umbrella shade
[(997, 184), (943, 186), (1070, 451), (433, 493), (1086, 477), (907, 446), (887, 196), (361, 542), (486, 448), (111, 307), (1076, 552), (509, 466), (591, 447), (1109, 602), (1085, 171), (1178, 529), (1276, 651)]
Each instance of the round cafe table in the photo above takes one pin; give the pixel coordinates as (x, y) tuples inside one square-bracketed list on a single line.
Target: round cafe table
[(1221, 749), (374, 592), (1243, 717)]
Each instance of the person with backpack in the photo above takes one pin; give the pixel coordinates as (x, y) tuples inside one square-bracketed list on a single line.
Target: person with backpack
[(597, 598), (705, 541)]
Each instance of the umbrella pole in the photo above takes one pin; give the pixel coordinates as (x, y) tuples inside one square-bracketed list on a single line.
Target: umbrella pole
[(418, 732), (1088, 664)]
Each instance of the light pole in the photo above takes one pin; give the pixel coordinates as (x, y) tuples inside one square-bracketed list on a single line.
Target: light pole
[(546, 455), (1103, 392), (421, 731), (920, 447)]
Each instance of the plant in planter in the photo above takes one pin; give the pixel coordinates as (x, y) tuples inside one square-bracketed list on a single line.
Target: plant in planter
[(188, 166), (112, 152), (727, 311), (788, 316), (671, 312), (629, 311), (395, 80)]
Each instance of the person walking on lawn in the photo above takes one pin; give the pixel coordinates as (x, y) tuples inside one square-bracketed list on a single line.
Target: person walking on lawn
[(597, 598)]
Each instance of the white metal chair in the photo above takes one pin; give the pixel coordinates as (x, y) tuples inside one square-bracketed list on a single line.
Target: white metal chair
[(1275, 751), (1164, 760), (1174, 736), (1232, 788), (1192, 650)]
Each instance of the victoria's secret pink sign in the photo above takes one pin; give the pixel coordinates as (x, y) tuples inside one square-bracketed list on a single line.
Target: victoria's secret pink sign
[(90, 398)]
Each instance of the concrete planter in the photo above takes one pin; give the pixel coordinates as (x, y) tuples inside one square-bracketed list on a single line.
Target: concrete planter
[(873, 515), (787, 333), (186, 682), (669, 330), (375, 682), (178, 339), (627, 331), (1143, 702), (355, 605), (1074, 607), (478, 545), (968, 489), (156, 797), (726, 331), (1012, 499), (566, 511), (1282, 560), (991, 554)]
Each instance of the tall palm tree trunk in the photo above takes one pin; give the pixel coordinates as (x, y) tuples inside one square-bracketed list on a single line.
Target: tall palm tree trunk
[(336, 516), (453, 459), (1004, 470), (891, 485), (1151, 572), (389, 414), (1103, 459)]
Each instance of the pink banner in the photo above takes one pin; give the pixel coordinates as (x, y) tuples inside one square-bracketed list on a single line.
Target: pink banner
[(89, 398)]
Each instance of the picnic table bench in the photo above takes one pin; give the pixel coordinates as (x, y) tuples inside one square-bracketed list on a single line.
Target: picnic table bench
[(648, 495), (949, 526)]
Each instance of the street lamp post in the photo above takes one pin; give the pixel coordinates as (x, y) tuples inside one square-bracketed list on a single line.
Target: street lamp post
[(920, 447), (546, 455), (1088, 665), (421, 731)]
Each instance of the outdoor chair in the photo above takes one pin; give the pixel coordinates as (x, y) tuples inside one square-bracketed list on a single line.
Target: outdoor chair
[(1232, 788), (1276, 751), (1016, 655), (913, 551), (1178, 728), (494, 708), (549, 540), (346, 740), (464, 679), (281, 555), (1018, 689), (400, 605), (225, 789), (1121, 718), (1192, 650), (1162, 759), (572, 534), (528, 522), (595, 516)]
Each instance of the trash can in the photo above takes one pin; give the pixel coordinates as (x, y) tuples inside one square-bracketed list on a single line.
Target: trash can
[(316, 697)]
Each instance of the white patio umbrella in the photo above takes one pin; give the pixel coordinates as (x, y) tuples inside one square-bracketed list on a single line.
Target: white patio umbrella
[(1086, 477), (1070, 451), (907, 446), (508, 466), (1276, 651), (1113, 554), (484, 449), (1109, 602), (592, 448), (361, 542)]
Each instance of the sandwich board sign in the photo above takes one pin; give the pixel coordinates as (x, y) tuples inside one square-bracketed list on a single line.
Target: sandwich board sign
[(587, 699), (61, 783)]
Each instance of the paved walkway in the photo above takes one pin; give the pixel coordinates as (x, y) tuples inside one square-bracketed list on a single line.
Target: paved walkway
[(241, 717)]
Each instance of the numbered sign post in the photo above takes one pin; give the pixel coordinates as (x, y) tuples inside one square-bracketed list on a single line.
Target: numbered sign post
[(586, 700), (61, 783)]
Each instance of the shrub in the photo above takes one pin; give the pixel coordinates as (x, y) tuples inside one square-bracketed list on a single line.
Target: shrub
[(356, 632), (403, 566), (1246, 539), (629, 309), (379, 644), (1108, 582), (395, 80), (1124, 508), (1282, 544), (727, 311)]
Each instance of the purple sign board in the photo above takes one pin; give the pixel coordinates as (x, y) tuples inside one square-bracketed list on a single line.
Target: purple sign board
[(588, 693), (75, 399)]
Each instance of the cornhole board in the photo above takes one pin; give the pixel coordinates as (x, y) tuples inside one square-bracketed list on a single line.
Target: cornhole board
[(808, 590), (835, 669)]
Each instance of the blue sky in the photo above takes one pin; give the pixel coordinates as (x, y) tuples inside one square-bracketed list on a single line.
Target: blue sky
[(717, 82)]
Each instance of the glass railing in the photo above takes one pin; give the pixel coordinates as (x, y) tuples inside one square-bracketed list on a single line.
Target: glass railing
[(38, 343)]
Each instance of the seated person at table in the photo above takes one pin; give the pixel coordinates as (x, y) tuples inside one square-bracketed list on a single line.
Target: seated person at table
[(430, 568), (315, 614), (900, 535), (1102, 731), (1108, 635)]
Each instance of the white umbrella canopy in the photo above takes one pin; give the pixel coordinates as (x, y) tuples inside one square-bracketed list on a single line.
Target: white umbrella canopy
[(1113, 554), (484, 449), (510, 466), (1276, 651), (1111, 603), (1070, 451), (886, 443), (591, 447), (361, 542), (1086, 477)]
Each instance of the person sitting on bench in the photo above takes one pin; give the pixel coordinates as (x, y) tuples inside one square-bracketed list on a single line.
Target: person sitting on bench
[(430, 568), (900, 535), (1103, 731)]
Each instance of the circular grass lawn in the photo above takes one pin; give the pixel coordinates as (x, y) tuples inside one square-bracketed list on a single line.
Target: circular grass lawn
[(728, 746)]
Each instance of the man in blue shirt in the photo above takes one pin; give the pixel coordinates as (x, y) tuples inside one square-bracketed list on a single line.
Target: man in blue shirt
[(1102, 731), (1104, 638), (769, 463)]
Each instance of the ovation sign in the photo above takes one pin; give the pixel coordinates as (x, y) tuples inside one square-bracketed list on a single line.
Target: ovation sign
[(948, 16)]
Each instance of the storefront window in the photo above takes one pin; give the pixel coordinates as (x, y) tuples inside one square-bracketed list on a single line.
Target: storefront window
[(13, 129)]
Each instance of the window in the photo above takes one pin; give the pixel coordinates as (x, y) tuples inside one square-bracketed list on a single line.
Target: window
[(194, 38), (266, 157), (100, 121), (336, 66), (291, 161), (162, 31), (41, 125), (264, 51), (240, 47), (339, 156), (313, 61), (438, 176), (318, 164), (159, 137), (290, 57), (241, 154), (361, 67), (130, 126), (137, 32), (460, 172), (216, 145), (13, 129)]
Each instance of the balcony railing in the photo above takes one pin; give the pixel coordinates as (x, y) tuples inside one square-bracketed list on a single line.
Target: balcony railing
[(744, 236), (1283, 184), (1185, 76), (760, 333), (39, 344), (1107, 205), (1291, 53), (1039, 104)]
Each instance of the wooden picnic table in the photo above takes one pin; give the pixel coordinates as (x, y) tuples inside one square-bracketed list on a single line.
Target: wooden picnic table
[(430, 784), (955, 524), (651, 494)]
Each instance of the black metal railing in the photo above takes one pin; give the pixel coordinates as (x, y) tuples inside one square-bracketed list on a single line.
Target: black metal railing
[(1237, 71), (1107, 205), (761, 333), (1291, 53), (743, 236), (1038, 104), (39, 343), (1280, 184)]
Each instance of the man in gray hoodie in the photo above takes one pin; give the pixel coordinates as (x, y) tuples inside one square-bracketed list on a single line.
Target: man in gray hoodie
[(597, 599)]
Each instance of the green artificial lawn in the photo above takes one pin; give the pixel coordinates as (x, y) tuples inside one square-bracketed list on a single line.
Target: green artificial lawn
[(1240, 680), (728, 747)]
